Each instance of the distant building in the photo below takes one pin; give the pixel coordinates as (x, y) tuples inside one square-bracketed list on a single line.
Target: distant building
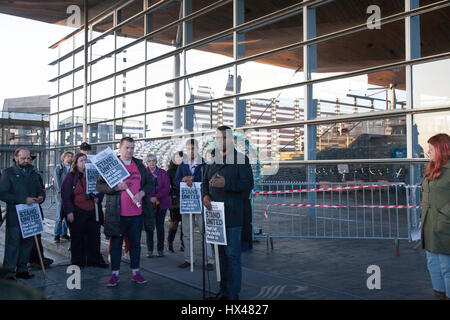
[(33, 104), (24, 123)]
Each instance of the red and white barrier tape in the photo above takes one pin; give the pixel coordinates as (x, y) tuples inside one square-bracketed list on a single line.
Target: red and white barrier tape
[(303, 205), (329, 189), (413, 186)]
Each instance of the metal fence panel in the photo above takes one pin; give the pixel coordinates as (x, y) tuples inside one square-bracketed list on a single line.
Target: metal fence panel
[(335, 210)]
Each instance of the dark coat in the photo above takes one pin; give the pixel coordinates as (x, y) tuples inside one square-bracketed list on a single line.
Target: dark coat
[(112, 210), (435, 214), (15, 186), (238, 185), (184, 171), (162, 188), (174, 192), (68, 185)]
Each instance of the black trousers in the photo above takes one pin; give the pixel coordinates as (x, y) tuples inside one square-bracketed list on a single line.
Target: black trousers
[(175, 219), (34, 256), (85, 238)]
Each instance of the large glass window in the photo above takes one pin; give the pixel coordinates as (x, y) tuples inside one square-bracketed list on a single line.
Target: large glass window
[(350, 102)]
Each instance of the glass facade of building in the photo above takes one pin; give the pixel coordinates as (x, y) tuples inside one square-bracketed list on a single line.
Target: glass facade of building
[(309, 84)]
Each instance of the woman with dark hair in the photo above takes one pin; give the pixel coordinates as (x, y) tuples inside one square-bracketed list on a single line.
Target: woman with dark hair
[(79, 210), (435, 215), (175, 216)]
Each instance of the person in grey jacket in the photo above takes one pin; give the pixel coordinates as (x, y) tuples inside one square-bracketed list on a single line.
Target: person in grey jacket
[(60, 172), (229, 180), (19, 184)]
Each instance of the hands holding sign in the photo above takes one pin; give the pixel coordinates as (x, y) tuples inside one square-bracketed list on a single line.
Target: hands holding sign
[(218, 181), (188, 180), (207, 202), (137, 198), (31, 200), (121, 186)]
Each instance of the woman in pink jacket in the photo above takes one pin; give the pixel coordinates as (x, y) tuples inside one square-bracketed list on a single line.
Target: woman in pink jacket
[(160, 200)]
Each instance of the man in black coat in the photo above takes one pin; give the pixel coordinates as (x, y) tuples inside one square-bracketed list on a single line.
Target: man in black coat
[(229, 180), (19, 184)]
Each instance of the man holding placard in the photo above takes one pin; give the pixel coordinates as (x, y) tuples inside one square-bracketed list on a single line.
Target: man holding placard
[(126, 204), (189, 173), (228, 180), (19, 185)]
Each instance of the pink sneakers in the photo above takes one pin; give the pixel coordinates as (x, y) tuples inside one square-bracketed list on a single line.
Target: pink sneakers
[(113, 281), (139, 278)]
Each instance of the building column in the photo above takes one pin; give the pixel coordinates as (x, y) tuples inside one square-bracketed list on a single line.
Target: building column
[(188, 113), (412, 51), (310, 104), (177, 122), (86, 51), (238, 52)]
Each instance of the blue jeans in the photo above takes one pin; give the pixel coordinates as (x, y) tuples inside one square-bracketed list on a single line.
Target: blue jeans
[(230, 264), (439, 268), (160, 215), (60, 226), (132, 227)]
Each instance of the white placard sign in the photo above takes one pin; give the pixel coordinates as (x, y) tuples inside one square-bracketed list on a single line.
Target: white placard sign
[(30, 219), (91, 178), (90, 158), (110, 167), (215, 224), (190, 198)]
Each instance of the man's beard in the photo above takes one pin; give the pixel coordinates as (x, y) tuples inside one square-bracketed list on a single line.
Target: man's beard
[(24, 165)]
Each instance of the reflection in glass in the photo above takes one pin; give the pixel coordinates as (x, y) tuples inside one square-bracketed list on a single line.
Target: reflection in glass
[(422, 126), (369, 139), (431, 84)]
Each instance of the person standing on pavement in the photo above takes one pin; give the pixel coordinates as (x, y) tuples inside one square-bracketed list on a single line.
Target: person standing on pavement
[(229, 179), (60, 172), (86, 148), (435, 214), (19, 184), (191, 171), (123, 216), (160, 201), (79, 210), (175, 216)]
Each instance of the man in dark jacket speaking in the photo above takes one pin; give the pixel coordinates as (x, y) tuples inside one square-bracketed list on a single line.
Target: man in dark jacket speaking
[(229, 180), (19, 184)]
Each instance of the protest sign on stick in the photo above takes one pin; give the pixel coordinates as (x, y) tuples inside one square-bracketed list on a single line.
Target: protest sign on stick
[(190, 198), (30, 219), (31, 224), (215, 229), (112, 170), (191, 203)]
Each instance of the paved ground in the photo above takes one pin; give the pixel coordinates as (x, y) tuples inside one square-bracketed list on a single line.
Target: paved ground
[(294, 269)]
